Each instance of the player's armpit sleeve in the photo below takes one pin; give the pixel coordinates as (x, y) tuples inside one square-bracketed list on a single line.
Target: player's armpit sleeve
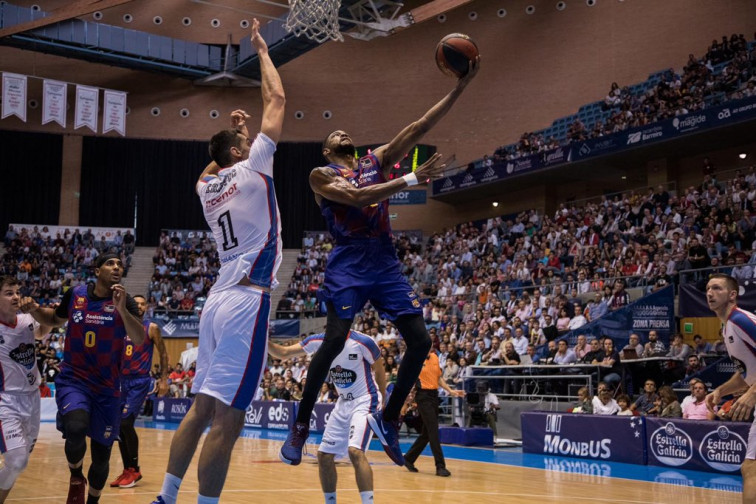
[(261, 155), (312, 343), (62, 310)]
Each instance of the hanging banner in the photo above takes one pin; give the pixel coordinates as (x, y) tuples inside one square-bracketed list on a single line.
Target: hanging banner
[(14, 95), (114, 112), (54, 102), (86, 107)]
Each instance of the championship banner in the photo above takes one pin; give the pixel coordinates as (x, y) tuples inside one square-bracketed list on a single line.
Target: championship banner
[(698, 445), (86, 107), (597, 437), (114, 112), (168, 409), (270, 414), (14, 95), (692, 300), (653, 312), (54, 102)]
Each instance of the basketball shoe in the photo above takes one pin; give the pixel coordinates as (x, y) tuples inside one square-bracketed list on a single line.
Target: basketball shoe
[(77, 490), (388, 435), (120, 478), (291, 451), (132, 476)]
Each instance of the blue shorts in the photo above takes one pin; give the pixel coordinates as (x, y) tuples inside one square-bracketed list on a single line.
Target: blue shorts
[(104, 411), (133, 393), (368, 271)]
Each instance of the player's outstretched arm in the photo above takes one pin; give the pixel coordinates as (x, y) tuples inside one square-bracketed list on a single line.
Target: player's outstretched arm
[(157, 340), (274, 99), (392, 152), (285, 352), (328, 184), (44, 316), (379, 369)]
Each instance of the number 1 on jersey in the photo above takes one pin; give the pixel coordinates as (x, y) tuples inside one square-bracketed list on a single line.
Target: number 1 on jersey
[(229, 240)]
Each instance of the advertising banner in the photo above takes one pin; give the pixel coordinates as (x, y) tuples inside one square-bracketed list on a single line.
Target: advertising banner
[(612, 438), (270, 414), (320, 414), (168, 409), (697, 445), (409, 198)]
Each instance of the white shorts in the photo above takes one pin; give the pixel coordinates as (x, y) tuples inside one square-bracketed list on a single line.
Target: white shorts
[(233, 345), (19, 420), (751, 449), (347, 427)]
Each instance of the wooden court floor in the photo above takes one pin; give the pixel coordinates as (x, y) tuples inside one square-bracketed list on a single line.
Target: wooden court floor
[(256, 475)]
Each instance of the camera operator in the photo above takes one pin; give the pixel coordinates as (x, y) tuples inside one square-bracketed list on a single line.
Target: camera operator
[(484, 407)]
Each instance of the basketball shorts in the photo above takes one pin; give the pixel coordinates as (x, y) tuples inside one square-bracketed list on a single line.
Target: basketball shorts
[(133, 393), (233, 345), (347, 427), (104, 411), (19, 420), (357, 273)]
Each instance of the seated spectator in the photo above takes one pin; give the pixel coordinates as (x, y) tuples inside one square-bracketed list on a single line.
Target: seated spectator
[(655, 347), (678, 352), (634, 344), (623, 401), (694, 365), (279, 392), (670, 407), (593, 353), (581, 347), (701, 347), (563, 322), (564, 355), (645, 402), (584, 404), (603, 403), (609, 360), (177, 381), (697, 409)]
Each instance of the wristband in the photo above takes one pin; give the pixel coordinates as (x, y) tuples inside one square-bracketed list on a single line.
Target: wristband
[(410, 179)]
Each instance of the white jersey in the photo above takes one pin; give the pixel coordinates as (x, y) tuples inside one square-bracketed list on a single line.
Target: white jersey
[(740, 338), (351, 370), (18, 358), (241, 209)]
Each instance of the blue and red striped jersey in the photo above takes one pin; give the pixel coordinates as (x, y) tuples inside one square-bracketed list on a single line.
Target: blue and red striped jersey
[(344, 221), (137, 359)]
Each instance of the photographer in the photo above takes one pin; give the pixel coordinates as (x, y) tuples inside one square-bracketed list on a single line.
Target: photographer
[(483, 407)]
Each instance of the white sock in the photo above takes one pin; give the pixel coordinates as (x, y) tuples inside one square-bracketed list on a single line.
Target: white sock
[(367, 497), (330, 497), (201, 499), (170, 489)]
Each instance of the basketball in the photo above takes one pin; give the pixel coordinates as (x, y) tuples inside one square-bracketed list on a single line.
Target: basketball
[(454, 53)]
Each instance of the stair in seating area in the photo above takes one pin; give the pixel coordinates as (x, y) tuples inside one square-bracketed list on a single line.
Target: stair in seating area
[(140, 272), (285, 272)]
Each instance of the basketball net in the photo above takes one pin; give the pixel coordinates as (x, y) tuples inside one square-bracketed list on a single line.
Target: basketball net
[(317, 20)]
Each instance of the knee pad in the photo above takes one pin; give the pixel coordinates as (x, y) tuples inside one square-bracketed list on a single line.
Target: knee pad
[(75, 425)]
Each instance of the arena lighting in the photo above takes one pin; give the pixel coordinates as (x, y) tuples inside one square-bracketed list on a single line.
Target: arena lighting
[(624, 177), (742, 155), (495, 203)]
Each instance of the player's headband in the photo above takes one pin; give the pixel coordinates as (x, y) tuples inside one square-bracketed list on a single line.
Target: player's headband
[(103, 258)]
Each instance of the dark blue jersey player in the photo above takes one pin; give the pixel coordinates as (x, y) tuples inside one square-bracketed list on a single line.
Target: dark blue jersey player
[(363, 266)]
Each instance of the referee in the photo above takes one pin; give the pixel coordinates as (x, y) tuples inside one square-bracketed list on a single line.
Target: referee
[(427, 405)]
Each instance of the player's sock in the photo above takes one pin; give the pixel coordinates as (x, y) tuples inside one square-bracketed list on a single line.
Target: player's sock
[(201, 499), (76, 472), (91, 499), (366, 497), (330, 497), (171, 485)]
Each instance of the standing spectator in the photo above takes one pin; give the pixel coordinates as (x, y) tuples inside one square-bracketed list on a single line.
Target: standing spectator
[(427, 404)]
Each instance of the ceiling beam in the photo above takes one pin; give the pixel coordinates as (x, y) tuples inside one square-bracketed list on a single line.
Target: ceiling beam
[(72, 10), (433, 9)]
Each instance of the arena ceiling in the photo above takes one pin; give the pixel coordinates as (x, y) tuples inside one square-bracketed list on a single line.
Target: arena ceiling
[(193, 39)]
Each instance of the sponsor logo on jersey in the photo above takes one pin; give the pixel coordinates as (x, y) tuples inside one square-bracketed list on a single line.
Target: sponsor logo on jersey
[(352, 356), (78, 317), (343, 377), (230, 193), (365, 163), (109, 308), (24, 355)]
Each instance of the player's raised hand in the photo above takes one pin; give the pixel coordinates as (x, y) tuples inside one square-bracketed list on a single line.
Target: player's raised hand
[(430, 170), (119, 297), (28, 305), (471, 73), (239, 118), (257, 41)]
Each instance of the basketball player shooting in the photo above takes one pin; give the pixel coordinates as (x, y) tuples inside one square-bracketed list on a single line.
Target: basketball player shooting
[(353, 197)]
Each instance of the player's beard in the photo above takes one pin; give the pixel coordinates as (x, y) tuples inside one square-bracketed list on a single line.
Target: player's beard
[(340, 150)]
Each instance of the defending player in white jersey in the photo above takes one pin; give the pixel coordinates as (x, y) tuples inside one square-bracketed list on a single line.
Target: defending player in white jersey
[(239, 201), (739, 331), (19, 384), (355, 372)]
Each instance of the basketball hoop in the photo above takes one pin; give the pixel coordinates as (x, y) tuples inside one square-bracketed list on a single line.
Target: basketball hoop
[(317, 20)]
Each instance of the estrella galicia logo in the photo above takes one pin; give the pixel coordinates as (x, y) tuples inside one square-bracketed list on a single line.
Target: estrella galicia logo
[(723, 449), (343, 378), (78, 316), (671, 445), (24, 355)]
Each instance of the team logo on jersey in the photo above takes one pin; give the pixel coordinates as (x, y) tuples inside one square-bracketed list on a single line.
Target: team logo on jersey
[(416, 303), (24, 355), (108, 431), (80, 302), (31, 378), (352, 356), (343, 377), (109, 308)]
